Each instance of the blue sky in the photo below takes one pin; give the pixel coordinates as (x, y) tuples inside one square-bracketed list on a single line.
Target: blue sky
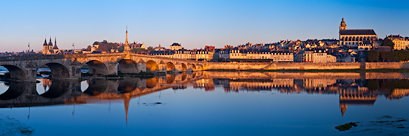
[(193, 23)]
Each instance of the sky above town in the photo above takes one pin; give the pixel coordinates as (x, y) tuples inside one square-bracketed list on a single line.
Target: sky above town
[(193, 23)]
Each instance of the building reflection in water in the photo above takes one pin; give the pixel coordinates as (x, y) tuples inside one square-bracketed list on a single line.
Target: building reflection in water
[(352, 90), (355, 91)]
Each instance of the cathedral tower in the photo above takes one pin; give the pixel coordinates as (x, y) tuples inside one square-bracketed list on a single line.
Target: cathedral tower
[(342, 26)]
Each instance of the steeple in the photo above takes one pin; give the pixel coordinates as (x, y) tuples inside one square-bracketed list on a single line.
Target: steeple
[(127, 98), (126, 48), (126, 40), (55, 45), (342, 26), (45, 42), (50, 43)]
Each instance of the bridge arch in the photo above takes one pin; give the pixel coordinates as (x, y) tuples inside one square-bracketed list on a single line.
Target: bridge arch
[(151, 82), (97, 67), (15, 90), (170, 78), (127, 85), (184, 76), (127, 66), (193, 75), (193, 67), (96, 87), (170, 66), (57, 89), (57, 70), (15, 72), (200, 66), (184, 67), (151, 66)]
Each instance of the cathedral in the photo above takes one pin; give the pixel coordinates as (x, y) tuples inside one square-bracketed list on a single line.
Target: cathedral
[(49, 48), (356, 37)]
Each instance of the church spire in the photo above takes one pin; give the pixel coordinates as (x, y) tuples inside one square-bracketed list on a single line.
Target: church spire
[(126, 48), (127, 98), (45, 42), (55, 45), (50, 43)]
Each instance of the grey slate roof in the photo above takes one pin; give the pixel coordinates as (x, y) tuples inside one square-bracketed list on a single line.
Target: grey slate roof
[(357, 32)]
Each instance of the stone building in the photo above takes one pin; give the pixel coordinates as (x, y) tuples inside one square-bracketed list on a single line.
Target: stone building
[(221, 55), (356, 37), (183, 54), (203, 55), (401, 43), (175, 46), (198, 55), (167, 53), (159, 48), (261, 55), (315, 56)]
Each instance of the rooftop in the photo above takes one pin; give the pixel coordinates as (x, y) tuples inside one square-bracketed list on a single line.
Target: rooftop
[(357, 32)]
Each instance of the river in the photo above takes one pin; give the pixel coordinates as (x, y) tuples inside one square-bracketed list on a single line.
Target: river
[(209, 103)]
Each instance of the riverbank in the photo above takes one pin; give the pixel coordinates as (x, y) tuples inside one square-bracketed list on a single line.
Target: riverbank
[(342, 66), (312, 70)]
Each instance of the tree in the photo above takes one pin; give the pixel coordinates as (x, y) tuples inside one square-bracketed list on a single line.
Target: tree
[(388, 42), (372, 56), (89, 48), (136, 50), (121, 49), (372, 84), (384, 56), (150, 48)]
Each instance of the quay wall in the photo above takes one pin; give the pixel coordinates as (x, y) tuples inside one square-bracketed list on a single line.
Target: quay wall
[(304, 75), (304, 66)]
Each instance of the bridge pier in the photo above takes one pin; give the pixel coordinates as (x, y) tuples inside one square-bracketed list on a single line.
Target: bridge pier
[(162, 68), (75, 71), (31, 75), (112, 68), (178, 68), (141, 67)]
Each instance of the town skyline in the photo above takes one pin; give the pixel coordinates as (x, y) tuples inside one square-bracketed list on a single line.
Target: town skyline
[(193, 24)]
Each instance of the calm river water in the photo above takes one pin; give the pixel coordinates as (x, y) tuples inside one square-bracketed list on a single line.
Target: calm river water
[(209, 103)]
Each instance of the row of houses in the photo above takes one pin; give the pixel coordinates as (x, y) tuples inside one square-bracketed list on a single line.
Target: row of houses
[(249, 55)]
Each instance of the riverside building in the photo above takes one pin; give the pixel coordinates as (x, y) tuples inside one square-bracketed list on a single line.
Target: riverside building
[(400, 42), (261, 55), (315, 56)]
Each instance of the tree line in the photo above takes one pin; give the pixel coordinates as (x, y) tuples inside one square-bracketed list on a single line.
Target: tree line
[(384, 56)]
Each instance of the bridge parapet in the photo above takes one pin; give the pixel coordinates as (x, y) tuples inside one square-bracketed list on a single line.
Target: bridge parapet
[(24, 68)]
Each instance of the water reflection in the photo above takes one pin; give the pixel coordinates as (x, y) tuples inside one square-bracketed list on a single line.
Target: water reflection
[(352, 88)]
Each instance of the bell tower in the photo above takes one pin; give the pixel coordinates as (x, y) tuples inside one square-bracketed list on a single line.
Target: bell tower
[(342, 26), (45, 47)]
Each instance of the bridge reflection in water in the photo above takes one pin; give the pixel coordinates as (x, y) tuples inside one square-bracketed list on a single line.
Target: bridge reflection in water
[(352, 88), (57, 92)]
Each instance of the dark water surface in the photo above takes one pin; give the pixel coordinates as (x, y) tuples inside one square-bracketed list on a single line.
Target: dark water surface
[(209, 103)]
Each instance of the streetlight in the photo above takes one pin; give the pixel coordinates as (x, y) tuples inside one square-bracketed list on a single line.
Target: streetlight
[(73, 47)]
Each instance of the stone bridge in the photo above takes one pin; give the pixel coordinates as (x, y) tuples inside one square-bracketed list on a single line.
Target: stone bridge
[(24, 68)]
